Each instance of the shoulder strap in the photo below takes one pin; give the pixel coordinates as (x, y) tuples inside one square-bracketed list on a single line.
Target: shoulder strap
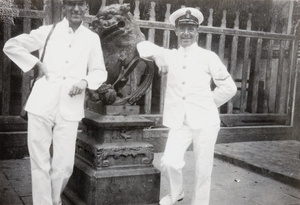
[(47, 39), (43, 54)]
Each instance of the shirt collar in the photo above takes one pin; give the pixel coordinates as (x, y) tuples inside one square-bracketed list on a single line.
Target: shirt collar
[(65, 23), (189, 48)]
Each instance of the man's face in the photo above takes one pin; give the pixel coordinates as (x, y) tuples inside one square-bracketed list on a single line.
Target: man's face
[(74, 11), (187, 34)]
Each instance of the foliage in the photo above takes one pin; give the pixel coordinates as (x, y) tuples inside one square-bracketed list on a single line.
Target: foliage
[(8, 10)]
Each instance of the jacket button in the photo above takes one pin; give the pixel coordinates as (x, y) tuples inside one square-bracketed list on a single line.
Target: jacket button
[(183, 83), (183, 98), (183, 67), (64, 78)]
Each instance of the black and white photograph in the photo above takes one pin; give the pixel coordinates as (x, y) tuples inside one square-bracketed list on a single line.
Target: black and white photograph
[(150, 102)]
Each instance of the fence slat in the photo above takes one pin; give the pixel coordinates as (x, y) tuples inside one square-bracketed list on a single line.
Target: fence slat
[(6, 72), (151, 36), (279, 85), (267, 105), (133, 76), (210, 24), (233, 58), (255, 89), (284, 66), (151, 32), (222, 38), (26, 76), (287, 64), (245, 71), (163, 79), (294, 64), (136, 11), (48, 12), (268, 77), (26, 20)]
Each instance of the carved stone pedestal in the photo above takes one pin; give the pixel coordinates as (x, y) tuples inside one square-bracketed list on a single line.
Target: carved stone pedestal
[(113, 165)]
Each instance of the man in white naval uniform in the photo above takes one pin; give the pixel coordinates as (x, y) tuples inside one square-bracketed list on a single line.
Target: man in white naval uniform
[(191, 107), (73, 61)]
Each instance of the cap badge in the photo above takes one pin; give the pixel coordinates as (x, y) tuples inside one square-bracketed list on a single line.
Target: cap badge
[(188, 14)]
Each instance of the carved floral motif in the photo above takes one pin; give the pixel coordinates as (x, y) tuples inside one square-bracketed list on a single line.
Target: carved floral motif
[(104, 155)]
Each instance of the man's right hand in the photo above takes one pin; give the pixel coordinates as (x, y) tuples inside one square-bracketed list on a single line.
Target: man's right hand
[(42, 70), (163, 68)]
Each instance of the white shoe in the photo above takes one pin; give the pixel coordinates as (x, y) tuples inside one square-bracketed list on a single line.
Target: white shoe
[(167, 200)]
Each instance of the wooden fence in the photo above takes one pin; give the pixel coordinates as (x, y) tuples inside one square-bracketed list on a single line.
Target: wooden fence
[(17, 18), (263, 65)]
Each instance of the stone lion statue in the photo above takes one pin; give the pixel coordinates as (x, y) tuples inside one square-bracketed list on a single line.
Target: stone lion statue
[(119, 34)]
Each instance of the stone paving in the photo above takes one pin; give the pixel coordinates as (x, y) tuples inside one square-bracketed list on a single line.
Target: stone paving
[(277, 159), (244, 173), (233, 185)]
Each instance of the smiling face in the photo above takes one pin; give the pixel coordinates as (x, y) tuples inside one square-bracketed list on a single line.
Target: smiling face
[(74, 11), (187, 34)]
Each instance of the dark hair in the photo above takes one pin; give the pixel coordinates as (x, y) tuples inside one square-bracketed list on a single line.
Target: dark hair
[(65, 1)]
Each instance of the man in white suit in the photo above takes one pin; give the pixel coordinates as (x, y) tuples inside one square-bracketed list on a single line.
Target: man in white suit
[(73, 61), (191, 107)]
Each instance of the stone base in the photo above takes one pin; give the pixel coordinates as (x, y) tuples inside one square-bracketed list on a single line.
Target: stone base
[(113, 165), (112, 186), (99, 107)]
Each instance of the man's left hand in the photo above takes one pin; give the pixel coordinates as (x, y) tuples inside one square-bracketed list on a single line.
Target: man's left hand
[(78, 88)]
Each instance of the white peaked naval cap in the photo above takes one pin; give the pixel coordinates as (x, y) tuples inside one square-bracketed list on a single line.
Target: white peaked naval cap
[(186, 15)]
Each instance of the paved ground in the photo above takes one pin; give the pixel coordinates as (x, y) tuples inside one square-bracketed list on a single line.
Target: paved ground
[(248, 173)]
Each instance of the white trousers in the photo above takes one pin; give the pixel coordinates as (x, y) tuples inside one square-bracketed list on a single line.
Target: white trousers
[(50, 175), (172, 161)]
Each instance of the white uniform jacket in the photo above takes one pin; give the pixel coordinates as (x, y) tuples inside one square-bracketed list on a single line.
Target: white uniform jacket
[(69, 57), (188, 92)]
